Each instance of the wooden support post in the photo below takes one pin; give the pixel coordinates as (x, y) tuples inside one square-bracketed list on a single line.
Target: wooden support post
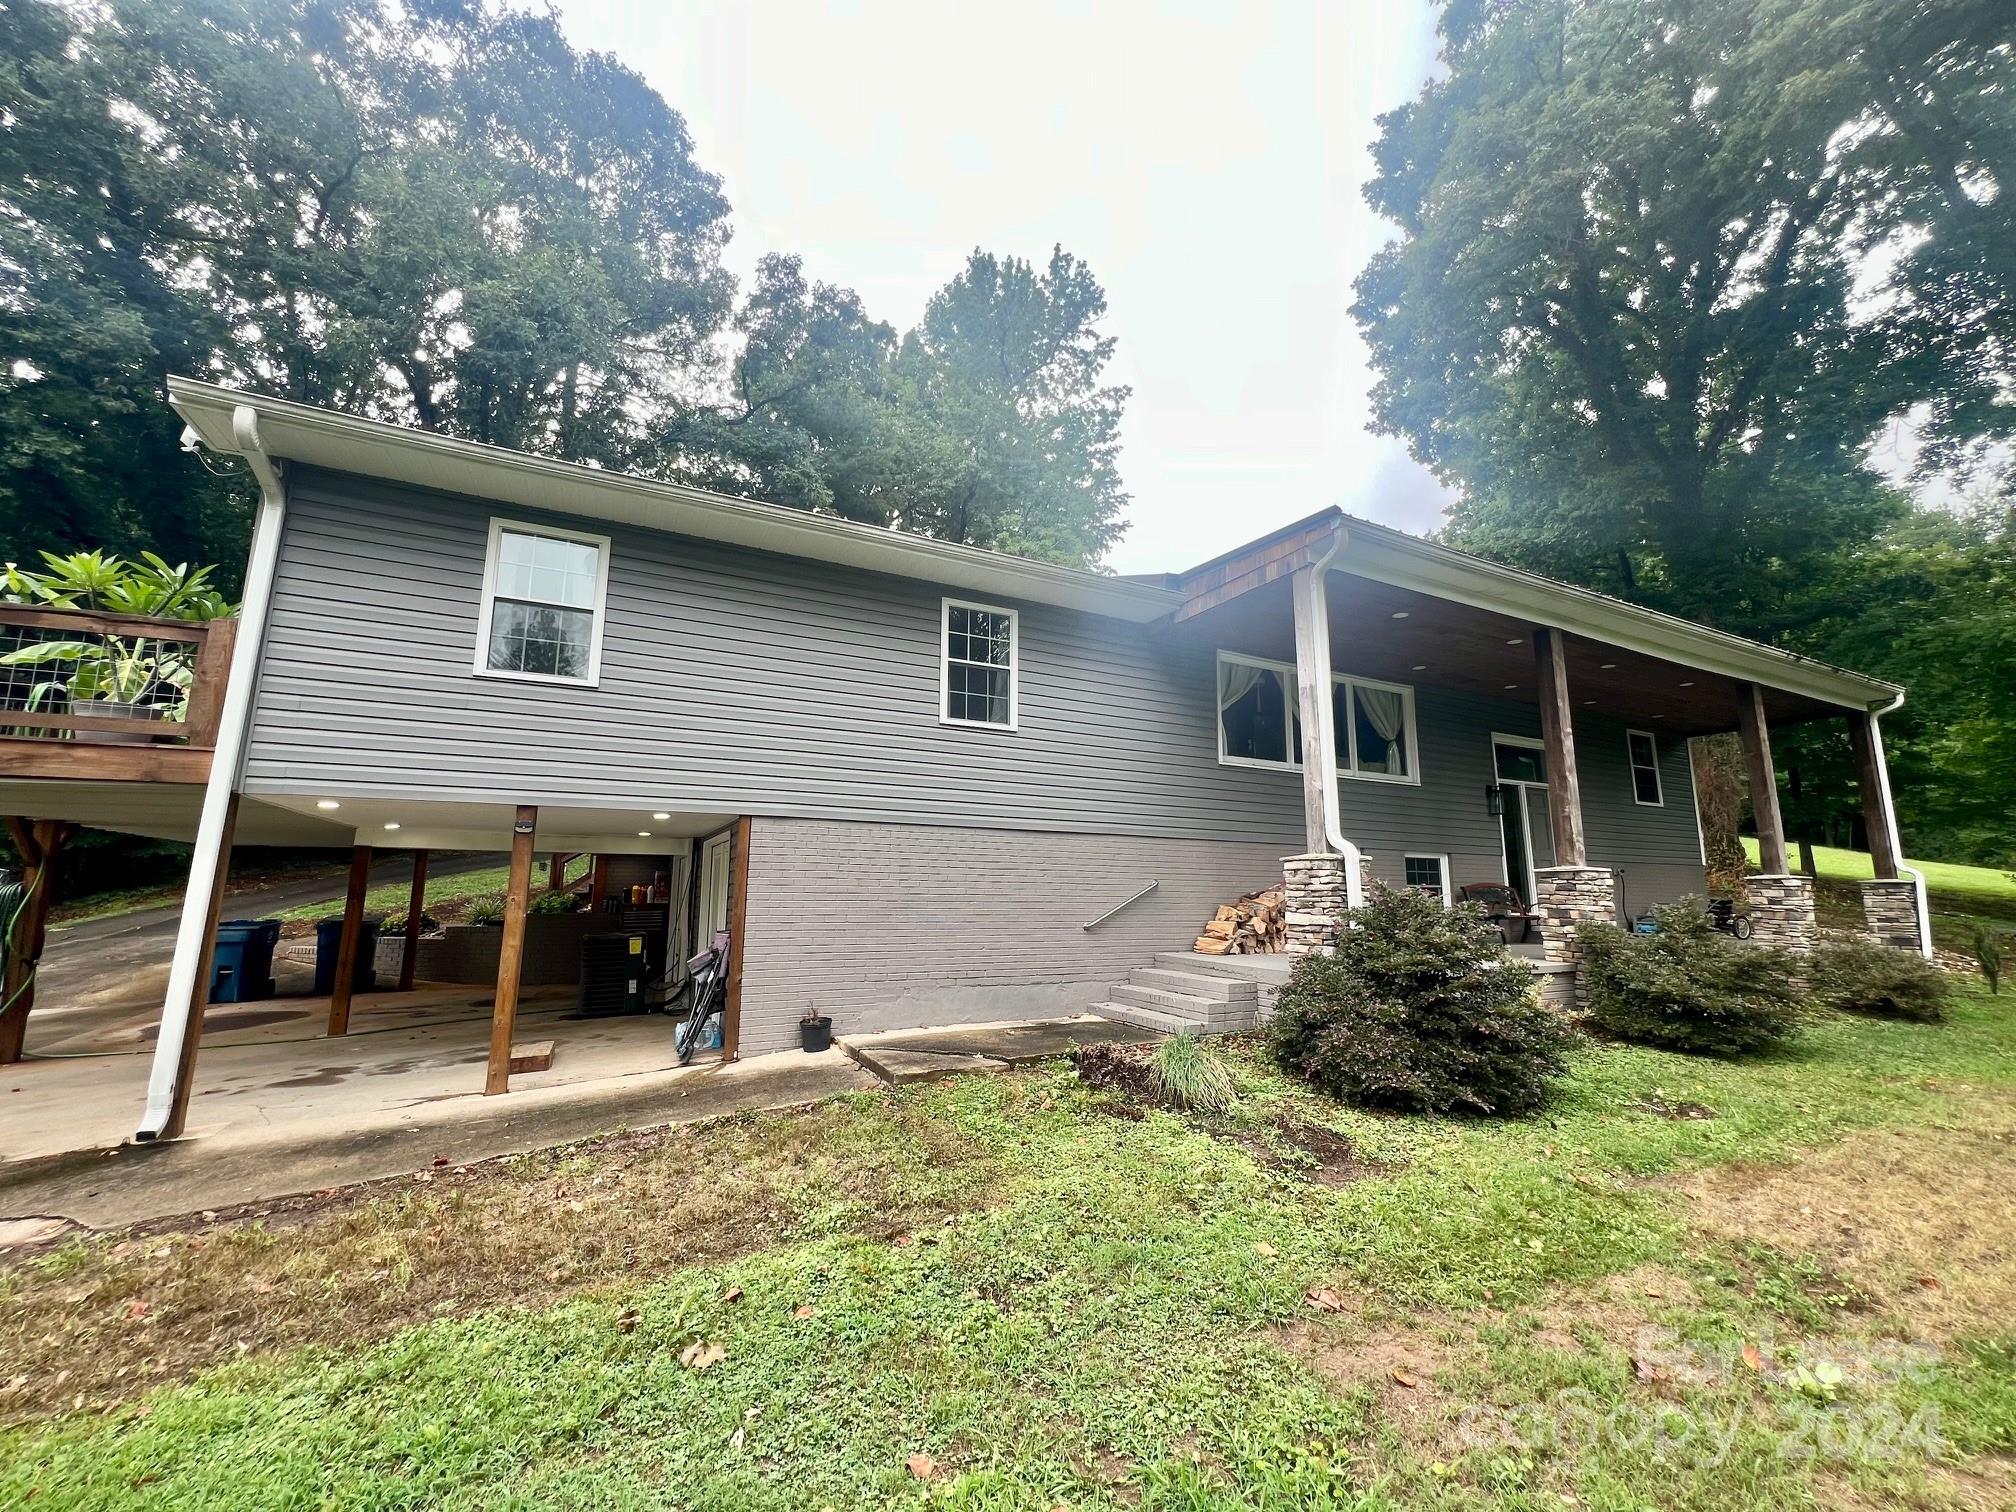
[(1316, 700), (1867, 744), (738, 918), (511, 950), (416, 910), (346, 944), (39, 844), (598, 882), (206, 964), (1557, 729), (1756, 732)]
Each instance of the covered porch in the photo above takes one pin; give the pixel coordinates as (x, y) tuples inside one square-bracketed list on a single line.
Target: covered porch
[(1561, 717)]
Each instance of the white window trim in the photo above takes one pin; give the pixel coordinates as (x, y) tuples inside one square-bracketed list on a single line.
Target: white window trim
[(1289, 690), (482, 667), (1347, 755), (945, 608), (1349, 767), (1658, 777), (1440, 857)]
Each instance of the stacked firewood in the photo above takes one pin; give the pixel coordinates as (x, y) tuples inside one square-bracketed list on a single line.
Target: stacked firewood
[(1255, 925)]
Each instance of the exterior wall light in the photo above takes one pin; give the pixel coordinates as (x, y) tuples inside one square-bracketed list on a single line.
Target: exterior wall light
[(1494, 801)]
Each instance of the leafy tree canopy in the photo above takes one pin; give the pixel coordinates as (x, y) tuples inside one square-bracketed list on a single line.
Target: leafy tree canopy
[(442, 214)]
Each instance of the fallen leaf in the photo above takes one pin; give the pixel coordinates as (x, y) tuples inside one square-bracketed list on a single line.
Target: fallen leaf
[(1930, 1283), (1653, 1291), (905, 1239), (1324, 1299), (626, 1320), (804, 1310), (1753, 1357), (1266, 1249), (733, 1294), (136, 1310), (922, 1466), (439, 1161), (1647, 1372), (1403, 1378), (699, 1356)]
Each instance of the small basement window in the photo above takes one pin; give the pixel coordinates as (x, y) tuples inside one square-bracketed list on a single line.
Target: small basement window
[(1258, 723), (1645, 768), (544, 591), (1430, 875), (977, 673)]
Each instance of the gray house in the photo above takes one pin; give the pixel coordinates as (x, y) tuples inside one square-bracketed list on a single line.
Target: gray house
[(918, 782)]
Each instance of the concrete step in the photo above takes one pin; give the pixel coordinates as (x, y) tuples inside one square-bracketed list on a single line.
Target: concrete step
[(1272, 969), (1196, 984), (1148, 1018), (1164, 1001)]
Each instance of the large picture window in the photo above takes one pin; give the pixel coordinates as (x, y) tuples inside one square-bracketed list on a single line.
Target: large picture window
[(543, 594), (978, 673), (1259, 720)]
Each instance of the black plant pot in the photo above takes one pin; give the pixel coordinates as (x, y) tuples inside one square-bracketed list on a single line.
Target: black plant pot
[(815, 1034)]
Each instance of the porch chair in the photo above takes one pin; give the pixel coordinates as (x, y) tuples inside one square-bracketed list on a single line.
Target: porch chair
[(1504, 908)]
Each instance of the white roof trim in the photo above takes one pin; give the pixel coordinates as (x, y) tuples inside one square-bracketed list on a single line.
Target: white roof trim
[(319, 437)]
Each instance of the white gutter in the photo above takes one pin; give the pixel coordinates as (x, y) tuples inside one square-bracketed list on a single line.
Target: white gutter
[(182, 1004), (1326, 718), (1917, 877)]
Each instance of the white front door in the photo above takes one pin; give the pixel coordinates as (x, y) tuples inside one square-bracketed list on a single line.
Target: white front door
[(714, 859)]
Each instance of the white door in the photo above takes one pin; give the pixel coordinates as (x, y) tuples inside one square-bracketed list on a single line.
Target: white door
[(714, 858), (1527, 828)]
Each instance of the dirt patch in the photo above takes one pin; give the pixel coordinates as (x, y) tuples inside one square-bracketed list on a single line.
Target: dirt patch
[(102, 1320), (1400, 1364), (1620, 1310), (1919, 1222), (1121, 1069), (1986, 1484), (1659, 1107)]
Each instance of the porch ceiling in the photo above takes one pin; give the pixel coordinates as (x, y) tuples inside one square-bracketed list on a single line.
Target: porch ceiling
[(1402, 635)]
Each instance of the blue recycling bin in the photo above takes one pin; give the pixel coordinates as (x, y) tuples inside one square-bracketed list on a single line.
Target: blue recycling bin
[(329, 940), (242, 964)]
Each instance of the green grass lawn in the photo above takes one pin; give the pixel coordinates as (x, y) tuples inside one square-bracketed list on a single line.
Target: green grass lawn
[(1055, 1305), (445, 893)]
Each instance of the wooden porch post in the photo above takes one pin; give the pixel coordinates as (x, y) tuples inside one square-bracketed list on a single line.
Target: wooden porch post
[(416, 908), (39, 843), (1756, 732), (1557, 729), (511, 950), (738, 918), (206, 963), (346, 945), (598, 882), (1317, 705), (1870, 779)]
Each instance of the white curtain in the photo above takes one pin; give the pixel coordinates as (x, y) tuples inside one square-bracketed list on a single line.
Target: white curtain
[(1235, 681), (1386, 712)]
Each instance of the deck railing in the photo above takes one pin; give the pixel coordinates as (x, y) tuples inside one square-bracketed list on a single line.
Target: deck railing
[(112, 696)]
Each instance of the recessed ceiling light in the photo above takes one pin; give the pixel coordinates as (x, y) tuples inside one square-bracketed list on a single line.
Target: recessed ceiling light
[(1686, 685), (1400, 613), (1588, 703), (1517, 640), (327, 803), (1510, 686), (1609, 666), (643, 834), (1420, 666), (1658, 716), (391, 824), (661, 817)]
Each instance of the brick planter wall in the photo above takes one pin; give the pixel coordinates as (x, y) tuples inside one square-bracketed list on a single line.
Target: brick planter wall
[(1890, 908), (1568, 897), (1781, 912)]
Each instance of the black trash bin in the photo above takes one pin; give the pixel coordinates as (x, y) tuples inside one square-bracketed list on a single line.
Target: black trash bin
[(329, 940)]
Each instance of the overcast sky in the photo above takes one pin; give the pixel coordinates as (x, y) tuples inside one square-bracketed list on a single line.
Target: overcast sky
[(1204, 158)]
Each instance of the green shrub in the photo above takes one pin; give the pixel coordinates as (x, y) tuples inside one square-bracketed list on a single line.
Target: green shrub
[(1862, 976), (554, 903), (487, 909), (1988, 954), (1689, 986), (1186, 1074), (1421, 1011)]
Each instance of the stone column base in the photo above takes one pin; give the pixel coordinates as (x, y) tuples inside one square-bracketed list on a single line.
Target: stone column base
[(1317, 901), (1781, 912), (1568, 897), (1890, 908)]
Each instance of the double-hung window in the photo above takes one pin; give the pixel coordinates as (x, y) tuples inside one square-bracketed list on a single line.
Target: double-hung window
[(1260, 724), (1644, 768), (544, 591), (977, 667)]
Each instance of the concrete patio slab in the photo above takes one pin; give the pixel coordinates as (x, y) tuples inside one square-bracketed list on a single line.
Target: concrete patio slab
[(899, 1066), (1016, 1041)]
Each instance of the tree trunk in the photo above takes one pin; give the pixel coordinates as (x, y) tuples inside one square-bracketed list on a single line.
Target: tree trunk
[(1718, 791)]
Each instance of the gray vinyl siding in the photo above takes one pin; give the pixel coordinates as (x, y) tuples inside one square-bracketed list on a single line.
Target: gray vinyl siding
[(949, 926), (738, 682)]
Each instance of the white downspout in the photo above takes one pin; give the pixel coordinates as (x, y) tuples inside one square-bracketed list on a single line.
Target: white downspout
[(1326, 716), (180, 1006), (1890, 822)]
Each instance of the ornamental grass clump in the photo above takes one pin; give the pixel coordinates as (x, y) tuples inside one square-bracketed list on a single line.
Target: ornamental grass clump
[(1861, 976), (1687, 986), (1420, 1011), (1186, 1075)]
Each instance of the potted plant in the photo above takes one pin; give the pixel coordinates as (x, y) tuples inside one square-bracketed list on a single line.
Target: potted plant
[(815, 1031)]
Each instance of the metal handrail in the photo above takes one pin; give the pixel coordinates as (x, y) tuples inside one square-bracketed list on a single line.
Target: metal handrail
[(1130, 898)]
